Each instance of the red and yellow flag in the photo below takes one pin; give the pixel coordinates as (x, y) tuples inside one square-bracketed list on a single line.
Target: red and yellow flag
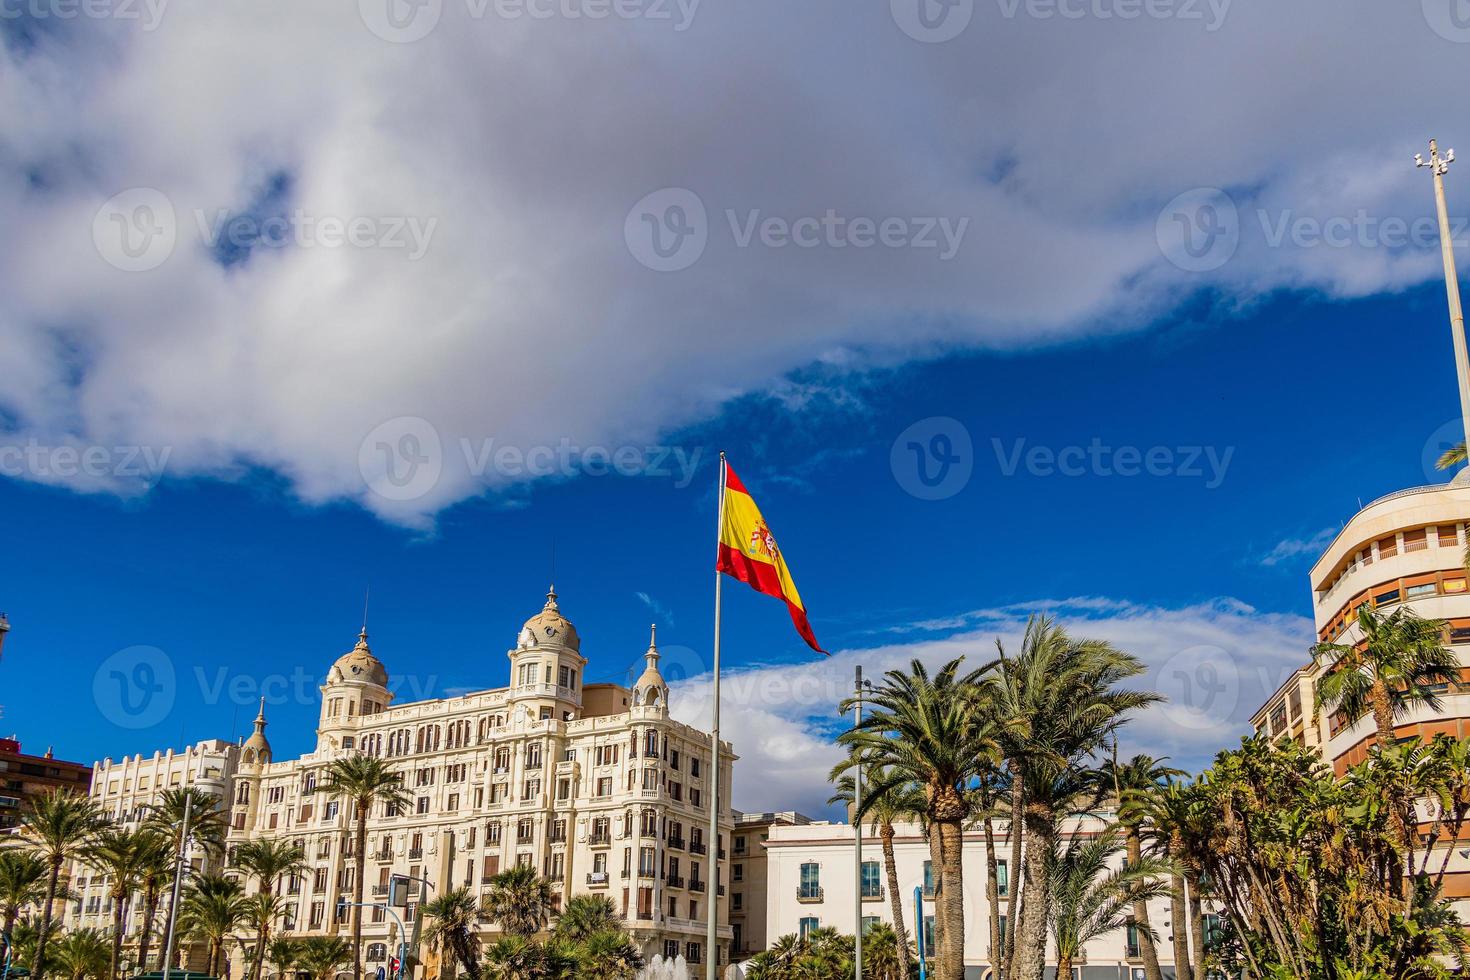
[(748, 552)]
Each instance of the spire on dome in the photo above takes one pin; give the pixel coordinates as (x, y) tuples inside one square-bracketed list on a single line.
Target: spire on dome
[(257, 748), (260, 717), (652, 654), (650, 688), (362, 643), (551, 599)]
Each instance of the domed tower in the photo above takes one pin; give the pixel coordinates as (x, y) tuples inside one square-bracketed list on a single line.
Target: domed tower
[(356, 685), (650, 690), (546, 666), (255, 756)]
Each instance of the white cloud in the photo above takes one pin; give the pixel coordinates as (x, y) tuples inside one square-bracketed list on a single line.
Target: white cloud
[(525, 141), (1215, 662), (1291, 548)]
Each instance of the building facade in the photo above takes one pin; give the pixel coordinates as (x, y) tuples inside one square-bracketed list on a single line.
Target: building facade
[(594, 785), (1404, 550), (24, 776), (812, 881), (748, 933)]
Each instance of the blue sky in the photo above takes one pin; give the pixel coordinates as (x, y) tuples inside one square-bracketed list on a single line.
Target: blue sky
[(372, 299), (240, 586)]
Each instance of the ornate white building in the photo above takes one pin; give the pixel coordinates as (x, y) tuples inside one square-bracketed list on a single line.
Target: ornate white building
[(592, 784)]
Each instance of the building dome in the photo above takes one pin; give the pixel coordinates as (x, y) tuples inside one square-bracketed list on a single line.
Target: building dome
[(257, 749), (549, 628), (359, 664)]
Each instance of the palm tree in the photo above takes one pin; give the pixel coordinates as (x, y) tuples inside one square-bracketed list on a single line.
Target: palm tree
[(1133, 784), (900, 802), (519, 900), (585, 915), (212, 910), (22, 883), (155, 872), (322, 956), (1392, 668), (55, 827), (1060, 702), (23, 944), (362, 780), (608, 954), (1168, 815), (82, 954), (455, 916), (1451, 457), (1088, 900), (283, 952), (117, 855), (522, 958), (883, 957), (204, 815), (929, 732), (268, 861)]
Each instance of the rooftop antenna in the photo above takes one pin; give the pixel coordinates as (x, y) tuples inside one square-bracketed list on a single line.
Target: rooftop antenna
[(367, 593)]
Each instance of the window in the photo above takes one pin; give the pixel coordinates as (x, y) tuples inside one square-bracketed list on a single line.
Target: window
[(423, 805), (1133, 946), (1388, 547), (872, 884), (691, 952), (806, 924), (1415, 591), (533, 755), (737, 901), (928, 879), (869, 921), (737, 872), (671, 949), (1002, 879), (811, 881), (928, 935), (739, 838)]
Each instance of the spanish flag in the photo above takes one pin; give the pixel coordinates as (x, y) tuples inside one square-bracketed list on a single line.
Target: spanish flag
[(748, 552)]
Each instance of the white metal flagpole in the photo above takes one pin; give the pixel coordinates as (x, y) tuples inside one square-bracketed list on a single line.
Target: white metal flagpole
[(712, 937)]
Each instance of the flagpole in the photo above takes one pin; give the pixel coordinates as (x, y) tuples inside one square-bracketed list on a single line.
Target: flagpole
[(857, 835), (712, 938)]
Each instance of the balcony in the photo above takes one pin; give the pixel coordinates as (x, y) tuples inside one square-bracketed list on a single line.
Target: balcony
[(676, 842), (414, 853), (379, 891), (646, 915), (809, 893), (698, 847), (870, 895), (695, 885), (597, 879), (675, 881), (600, 838), (647, 873)]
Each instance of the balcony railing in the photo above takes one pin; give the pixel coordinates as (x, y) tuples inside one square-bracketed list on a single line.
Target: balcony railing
[(600, 839), (597, 878), (675, 881), (809, 893), (677, 843), (379, 890), (414, 853), (695, 885), (385, 855), (698, 847)]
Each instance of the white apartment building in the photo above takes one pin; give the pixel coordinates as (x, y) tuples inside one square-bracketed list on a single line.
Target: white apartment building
[(592, 784), (811, 881)]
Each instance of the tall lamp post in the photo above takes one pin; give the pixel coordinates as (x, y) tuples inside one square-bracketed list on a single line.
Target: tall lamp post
[(1439, 166)]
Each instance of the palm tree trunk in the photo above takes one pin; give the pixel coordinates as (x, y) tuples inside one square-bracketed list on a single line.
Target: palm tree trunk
[(1013, 901), (1146, 949), (1179, 927), (12, 912), (150, 909), (1064, 967), (117, 928), (950, 904), (1197, 923), (895, 897), (992, 899), (45, 932), (1030, 957), (1382, 713), (361, 863)]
